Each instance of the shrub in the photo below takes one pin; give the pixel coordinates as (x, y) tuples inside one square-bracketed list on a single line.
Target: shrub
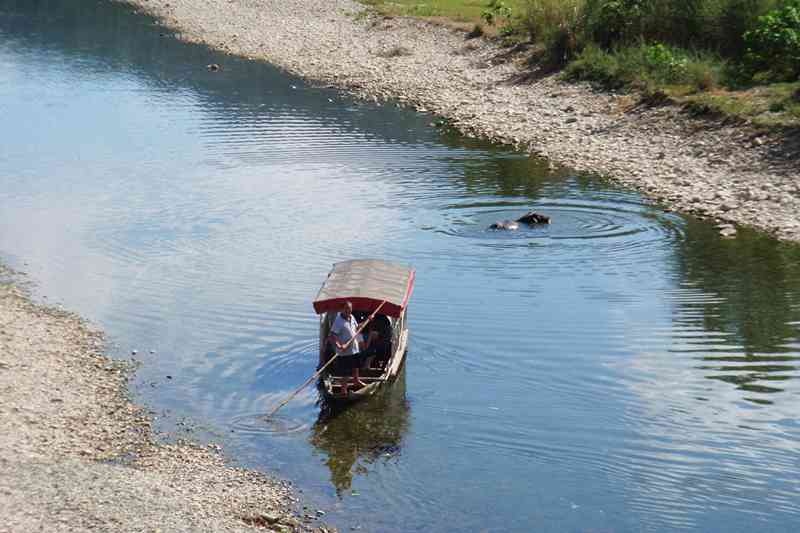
[(652, 42), (704, 75), (596, 65), (716, 25), (668, 65), (495, 9), (610, 22), (733, 19), (773, 47), (557, 24), (645, 67)]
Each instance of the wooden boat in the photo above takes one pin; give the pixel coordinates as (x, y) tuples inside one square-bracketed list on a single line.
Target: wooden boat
[(370, 285)]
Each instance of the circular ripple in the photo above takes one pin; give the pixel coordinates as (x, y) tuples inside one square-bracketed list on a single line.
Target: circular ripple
[(619, 230), (260, 424)]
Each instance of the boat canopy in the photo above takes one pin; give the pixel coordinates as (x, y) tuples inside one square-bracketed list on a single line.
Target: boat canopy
[(366, 283)]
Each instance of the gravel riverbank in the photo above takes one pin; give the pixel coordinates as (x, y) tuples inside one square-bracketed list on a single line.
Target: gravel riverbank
[(77, 455), (730, 173)]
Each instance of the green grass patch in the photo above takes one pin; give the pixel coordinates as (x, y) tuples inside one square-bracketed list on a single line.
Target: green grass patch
[(694, 80), (776, 105), (463, 11)]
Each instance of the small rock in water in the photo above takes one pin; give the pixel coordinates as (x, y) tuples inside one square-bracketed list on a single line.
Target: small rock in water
[(134, 352), (213, 67), (728, 232)]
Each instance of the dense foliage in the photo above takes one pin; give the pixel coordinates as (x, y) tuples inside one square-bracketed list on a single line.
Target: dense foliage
[(773, 46), (669, 41)]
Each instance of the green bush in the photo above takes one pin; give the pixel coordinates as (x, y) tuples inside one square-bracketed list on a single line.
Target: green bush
[(598, 66), (495, 9), (645, 67), (715, 25), (557, 24), (610, 22), (666, 64), (773, 47), (704, 74), (733, 19), (697, 44)]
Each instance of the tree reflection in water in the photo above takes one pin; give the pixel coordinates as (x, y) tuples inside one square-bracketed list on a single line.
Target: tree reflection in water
[(357, 436), (750, 303)]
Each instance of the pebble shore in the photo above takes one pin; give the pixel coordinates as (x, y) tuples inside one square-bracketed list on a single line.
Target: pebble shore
[(733, 174), (77, 455)]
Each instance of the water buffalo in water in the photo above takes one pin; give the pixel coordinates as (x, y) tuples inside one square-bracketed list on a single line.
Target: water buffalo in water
[(534, 218), (528, 218), (505, 224)]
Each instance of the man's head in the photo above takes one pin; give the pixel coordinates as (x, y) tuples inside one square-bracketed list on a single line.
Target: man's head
[(347, 309)]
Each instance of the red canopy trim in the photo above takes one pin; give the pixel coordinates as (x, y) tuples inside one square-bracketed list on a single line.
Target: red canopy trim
[(366, 283)]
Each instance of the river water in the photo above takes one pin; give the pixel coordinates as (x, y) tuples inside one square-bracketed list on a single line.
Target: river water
[(622, 369)]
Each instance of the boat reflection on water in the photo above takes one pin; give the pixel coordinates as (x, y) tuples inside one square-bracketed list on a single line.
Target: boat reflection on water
[(359, 436)]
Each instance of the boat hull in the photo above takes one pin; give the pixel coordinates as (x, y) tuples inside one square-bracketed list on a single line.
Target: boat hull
[(331, 388)]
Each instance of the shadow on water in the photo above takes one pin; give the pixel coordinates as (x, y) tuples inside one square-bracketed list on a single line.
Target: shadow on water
[(353, 438)]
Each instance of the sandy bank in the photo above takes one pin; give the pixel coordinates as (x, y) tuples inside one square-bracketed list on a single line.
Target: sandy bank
[(732, 174), (77, 455)]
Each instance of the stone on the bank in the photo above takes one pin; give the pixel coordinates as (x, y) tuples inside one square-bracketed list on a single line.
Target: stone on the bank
[(270, 518)]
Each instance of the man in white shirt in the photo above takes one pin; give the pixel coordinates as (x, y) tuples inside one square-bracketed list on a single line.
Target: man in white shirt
[(350, 357)]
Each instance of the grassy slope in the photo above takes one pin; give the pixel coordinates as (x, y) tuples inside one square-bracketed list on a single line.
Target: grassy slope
[(464, 11), (774, 105), (766, 106)]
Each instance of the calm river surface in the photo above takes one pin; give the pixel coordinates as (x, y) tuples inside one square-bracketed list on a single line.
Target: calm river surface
[(623, 369)]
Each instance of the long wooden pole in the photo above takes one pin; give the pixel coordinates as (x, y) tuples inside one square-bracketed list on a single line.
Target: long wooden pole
[(321, 370)]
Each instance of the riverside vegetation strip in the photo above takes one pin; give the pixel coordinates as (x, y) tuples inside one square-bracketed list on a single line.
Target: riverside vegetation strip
[(77, 455), (730, 173), (737, 58)]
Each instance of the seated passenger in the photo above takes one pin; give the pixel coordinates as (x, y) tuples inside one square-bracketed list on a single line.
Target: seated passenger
[(350, 348), (380, 349)]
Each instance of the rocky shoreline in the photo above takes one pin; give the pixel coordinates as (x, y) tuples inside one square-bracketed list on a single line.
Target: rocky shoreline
[(77, 455), (731, 173)]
